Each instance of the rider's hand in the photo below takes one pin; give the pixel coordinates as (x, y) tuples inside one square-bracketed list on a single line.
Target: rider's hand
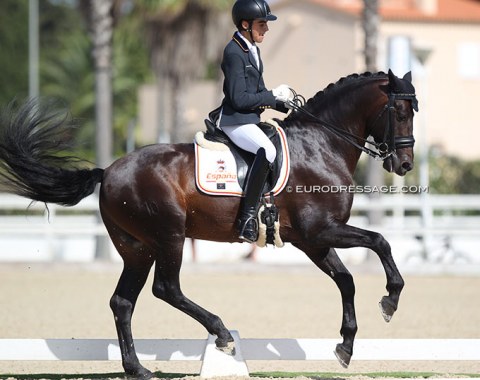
[(282, 93)]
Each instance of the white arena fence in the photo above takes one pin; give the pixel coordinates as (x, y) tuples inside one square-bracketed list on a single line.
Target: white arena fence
[(28, 231), (434, 208), (216, 363)]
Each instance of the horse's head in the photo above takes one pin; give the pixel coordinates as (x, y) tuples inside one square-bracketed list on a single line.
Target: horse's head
[(395, 135)]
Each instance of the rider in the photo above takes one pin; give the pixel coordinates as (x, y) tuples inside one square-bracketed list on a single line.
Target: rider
[(245, 99)]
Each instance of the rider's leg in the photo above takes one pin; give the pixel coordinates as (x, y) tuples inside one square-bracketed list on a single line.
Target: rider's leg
[(252, 139), (248, 225)]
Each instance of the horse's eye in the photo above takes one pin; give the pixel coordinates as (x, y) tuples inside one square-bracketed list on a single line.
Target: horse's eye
[(401, 117)]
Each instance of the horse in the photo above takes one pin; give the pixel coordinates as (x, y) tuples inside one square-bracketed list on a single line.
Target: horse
[(149, 202)]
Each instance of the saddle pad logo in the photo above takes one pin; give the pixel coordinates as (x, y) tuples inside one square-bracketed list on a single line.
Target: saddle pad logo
[(222, 175)]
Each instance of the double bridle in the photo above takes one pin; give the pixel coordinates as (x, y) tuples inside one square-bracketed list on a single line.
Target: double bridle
[(390, 142)]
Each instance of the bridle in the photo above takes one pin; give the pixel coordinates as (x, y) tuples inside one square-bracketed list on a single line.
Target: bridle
[(390, 142)]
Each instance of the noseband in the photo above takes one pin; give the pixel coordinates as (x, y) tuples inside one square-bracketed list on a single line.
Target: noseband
[(390, 142)]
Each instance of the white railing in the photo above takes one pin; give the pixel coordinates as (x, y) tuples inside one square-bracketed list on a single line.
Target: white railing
[(430, 214), (396, 204), (406, 216), (216, 363), (22, 216)]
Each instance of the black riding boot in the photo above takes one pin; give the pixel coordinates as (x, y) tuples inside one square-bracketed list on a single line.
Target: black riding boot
[(253, 192)]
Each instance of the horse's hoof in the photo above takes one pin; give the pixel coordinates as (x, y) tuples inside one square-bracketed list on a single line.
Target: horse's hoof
[(139, 373), (228, 349), (387, 308), (342, 356)]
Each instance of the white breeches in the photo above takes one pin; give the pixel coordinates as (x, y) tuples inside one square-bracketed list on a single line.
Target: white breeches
[(251, 138)]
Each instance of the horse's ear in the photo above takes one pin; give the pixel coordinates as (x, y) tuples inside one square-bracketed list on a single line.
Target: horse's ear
[(392, 80), (408, 76), (391, 76)]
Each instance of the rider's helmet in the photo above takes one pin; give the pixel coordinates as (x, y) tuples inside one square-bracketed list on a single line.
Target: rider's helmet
[(250, 10)]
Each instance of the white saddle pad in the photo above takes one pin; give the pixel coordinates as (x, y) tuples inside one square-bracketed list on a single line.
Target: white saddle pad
[(216, 169)]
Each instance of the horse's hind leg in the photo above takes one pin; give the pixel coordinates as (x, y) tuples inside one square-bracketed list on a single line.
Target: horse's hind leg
[(331, 264), (122, 303), (132, 280), (166, 286)]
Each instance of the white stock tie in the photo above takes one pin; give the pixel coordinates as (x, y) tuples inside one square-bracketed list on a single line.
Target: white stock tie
[(254, 51)]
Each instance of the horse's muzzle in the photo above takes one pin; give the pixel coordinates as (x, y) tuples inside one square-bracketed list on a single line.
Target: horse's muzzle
[(400, 164)]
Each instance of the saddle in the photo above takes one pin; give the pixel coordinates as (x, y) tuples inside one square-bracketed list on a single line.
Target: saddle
[(221, 168), (245, 159)]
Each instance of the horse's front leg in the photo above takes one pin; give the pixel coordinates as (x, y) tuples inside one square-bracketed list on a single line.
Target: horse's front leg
[(329, 262), (345, 236)]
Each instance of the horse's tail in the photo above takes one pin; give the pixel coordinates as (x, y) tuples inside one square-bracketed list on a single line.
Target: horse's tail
[(33, 135)]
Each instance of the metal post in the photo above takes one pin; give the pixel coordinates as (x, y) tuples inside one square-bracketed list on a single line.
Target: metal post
[(399, 60), (422, 55)]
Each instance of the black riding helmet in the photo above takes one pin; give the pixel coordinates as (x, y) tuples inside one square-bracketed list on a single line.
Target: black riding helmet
[(250, 10)]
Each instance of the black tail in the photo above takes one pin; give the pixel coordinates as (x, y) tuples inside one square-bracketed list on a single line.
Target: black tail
[(32, 138)]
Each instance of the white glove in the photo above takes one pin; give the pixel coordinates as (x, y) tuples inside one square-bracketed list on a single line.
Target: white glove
[(282, 93)]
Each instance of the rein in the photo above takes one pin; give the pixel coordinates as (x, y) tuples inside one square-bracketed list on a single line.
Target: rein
[(384, 149)]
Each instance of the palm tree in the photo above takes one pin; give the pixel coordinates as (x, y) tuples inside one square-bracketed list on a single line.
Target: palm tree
[(181, 43)]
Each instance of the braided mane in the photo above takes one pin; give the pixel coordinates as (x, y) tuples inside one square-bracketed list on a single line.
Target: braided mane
[(324, 94)]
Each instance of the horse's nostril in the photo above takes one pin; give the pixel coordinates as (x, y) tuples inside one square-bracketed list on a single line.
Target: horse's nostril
[(407, 166)]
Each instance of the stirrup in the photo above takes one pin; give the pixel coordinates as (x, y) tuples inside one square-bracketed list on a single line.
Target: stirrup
[(254, 232)]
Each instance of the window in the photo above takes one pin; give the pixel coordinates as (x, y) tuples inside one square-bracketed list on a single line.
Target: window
[(469, 60)]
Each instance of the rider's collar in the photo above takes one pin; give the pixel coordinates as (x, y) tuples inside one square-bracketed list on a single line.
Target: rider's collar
[(242, 42)]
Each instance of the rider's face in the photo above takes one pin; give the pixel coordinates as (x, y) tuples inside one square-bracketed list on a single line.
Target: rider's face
[(259, 28)]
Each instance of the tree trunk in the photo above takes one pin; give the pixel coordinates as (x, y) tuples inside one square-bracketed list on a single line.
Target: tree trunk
[(163, 121), (371, 21), (178, 109), (102, 32)]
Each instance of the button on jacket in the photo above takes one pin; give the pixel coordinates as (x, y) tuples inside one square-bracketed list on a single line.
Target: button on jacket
[(245, 94)]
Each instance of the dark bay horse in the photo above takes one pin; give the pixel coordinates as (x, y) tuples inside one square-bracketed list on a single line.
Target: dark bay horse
[(150, 204)]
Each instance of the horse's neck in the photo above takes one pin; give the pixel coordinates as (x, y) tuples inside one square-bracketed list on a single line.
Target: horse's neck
[(351, 107), (318, 142), (313, 145)]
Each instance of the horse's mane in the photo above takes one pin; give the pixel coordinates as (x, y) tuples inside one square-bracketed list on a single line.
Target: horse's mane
[(333, 88)]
